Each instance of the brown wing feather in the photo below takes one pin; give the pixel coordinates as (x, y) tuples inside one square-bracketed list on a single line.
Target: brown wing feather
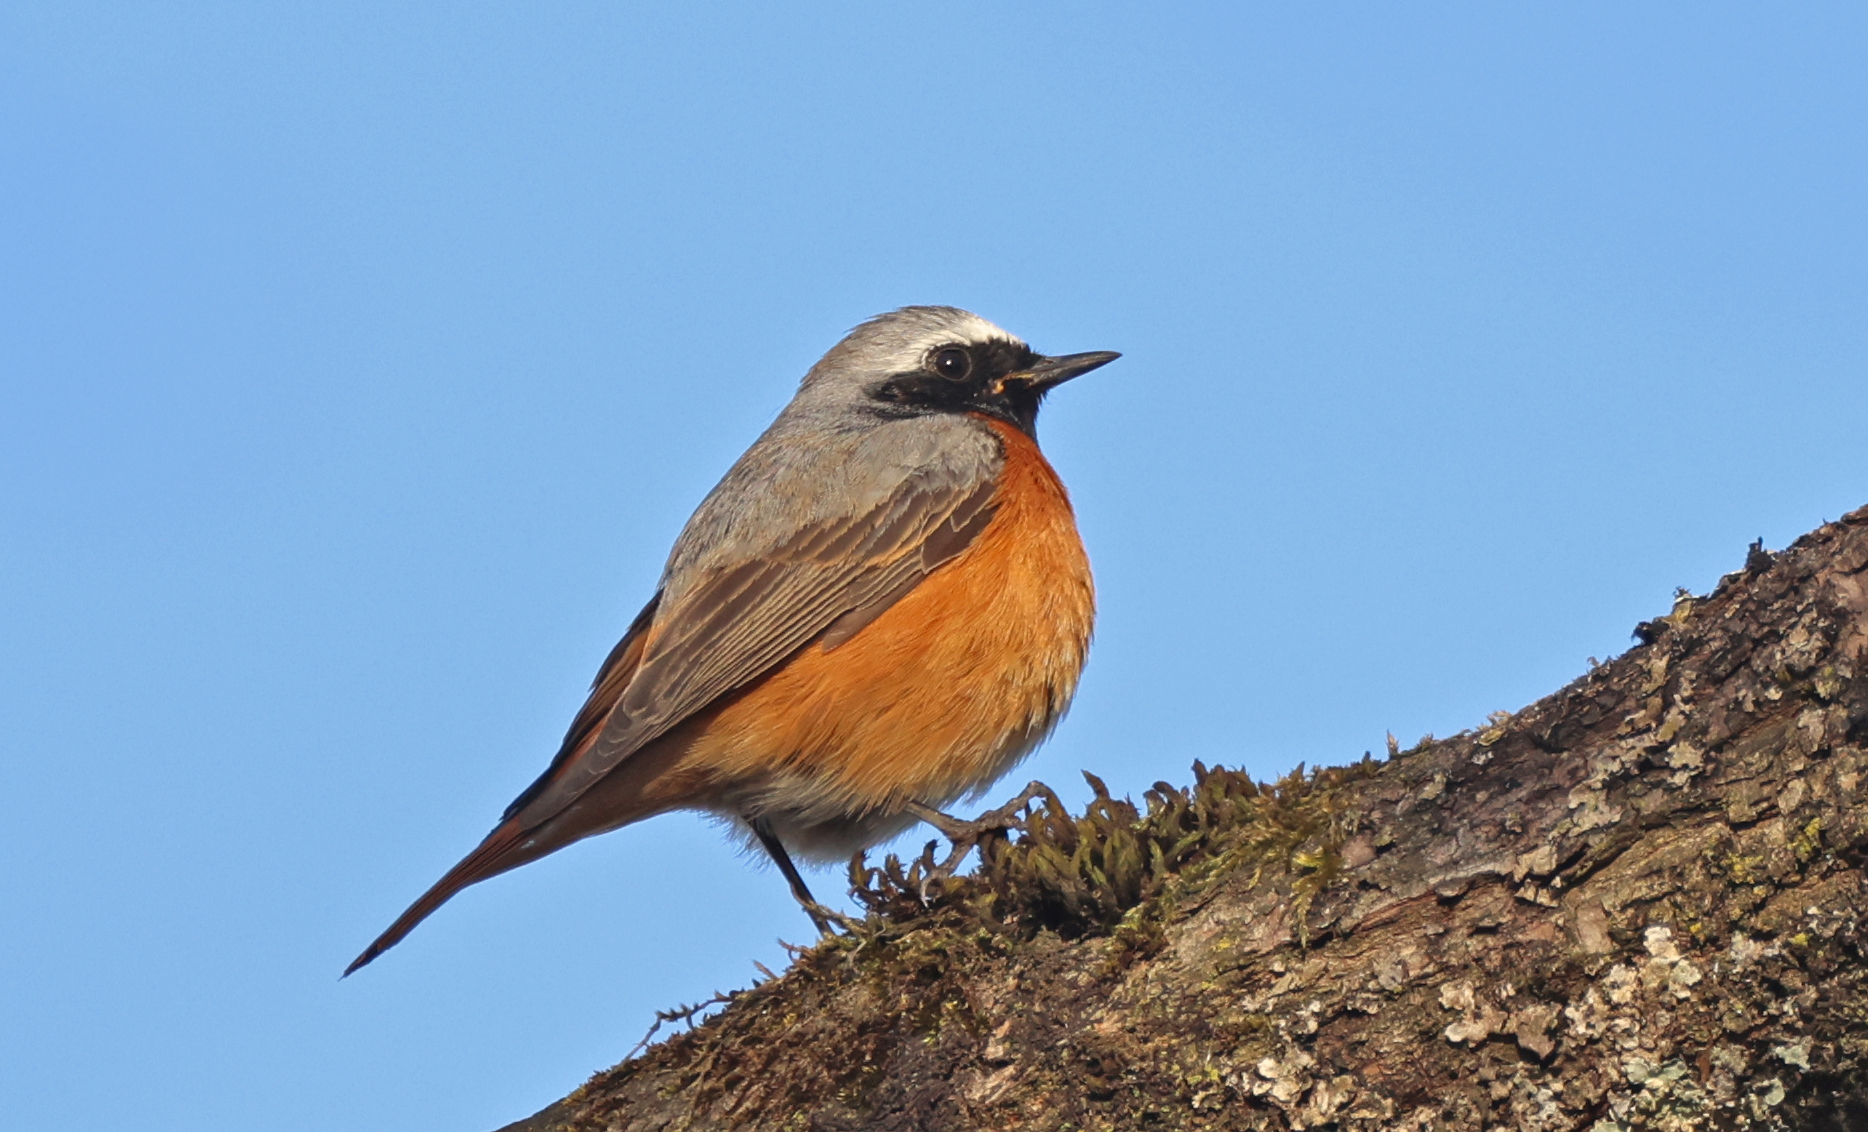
[(823, 585), (619, 668), (742, 620)]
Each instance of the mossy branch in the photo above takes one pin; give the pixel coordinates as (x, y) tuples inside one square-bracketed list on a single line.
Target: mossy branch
[(1636, 903)]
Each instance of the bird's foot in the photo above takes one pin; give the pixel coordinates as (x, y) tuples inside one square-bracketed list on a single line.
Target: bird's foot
[(828, 920), (964, 836)]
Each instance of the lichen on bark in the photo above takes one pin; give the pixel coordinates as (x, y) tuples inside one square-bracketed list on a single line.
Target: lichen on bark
[(1636, 903)]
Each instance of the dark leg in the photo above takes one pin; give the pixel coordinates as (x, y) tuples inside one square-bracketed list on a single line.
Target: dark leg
[(821, 916)]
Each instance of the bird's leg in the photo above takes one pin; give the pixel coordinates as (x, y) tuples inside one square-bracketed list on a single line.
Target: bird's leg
[(821, 916), (965, 835)]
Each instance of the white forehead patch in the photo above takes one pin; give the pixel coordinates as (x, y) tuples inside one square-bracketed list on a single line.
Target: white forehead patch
[(900, 341), (972, 330), (908, 333)]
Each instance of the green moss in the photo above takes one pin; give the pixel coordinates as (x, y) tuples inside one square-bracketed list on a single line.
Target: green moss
[(1109, 871)]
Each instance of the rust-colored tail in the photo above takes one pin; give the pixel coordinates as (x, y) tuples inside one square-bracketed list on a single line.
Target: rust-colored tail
[(499, 852)]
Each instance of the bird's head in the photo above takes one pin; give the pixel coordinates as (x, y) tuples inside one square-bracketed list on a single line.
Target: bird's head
[(927, 360)]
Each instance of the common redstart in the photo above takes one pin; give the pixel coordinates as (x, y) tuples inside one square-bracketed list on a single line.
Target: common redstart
[(881, 609)]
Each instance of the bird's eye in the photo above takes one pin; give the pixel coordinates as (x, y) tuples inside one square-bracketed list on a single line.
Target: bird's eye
[(952, 363)]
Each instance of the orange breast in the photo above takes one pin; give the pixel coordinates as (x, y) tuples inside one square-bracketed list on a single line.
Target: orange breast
[(939, 695)]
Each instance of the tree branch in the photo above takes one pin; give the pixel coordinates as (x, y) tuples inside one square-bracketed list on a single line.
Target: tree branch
[(1635, 903)]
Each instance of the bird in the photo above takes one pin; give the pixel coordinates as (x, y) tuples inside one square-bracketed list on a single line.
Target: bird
[(882, 607)]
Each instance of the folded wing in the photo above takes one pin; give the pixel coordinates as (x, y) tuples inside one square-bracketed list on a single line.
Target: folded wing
[(717, 633), (739, 621)]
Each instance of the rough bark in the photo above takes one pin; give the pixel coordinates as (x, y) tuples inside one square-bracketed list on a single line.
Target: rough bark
[(1637, 903)]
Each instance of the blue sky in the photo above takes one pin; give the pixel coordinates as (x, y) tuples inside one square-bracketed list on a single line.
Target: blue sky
[(360, 362)]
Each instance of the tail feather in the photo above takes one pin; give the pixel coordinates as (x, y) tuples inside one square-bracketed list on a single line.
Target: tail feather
[(500, 852)]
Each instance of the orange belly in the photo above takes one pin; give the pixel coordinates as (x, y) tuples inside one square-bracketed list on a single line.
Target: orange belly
[(934, 699)]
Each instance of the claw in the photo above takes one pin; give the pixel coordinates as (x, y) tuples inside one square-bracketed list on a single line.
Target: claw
[(828, 920), (965, 835)]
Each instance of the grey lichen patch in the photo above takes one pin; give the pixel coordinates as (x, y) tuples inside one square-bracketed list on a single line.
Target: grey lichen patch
[(1479, 1018)]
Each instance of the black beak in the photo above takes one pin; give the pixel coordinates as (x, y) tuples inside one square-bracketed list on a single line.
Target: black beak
[(1051, 372)]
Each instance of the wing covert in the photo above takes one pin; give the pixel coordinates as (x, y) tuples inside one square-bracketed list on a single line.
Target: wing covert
[(737, 622)]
